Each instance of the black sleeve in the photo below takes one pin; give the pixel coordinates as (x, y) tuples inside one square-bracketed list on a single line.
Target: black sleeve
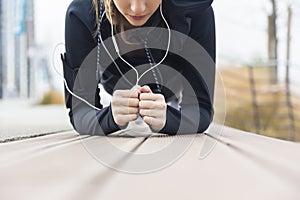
[(79, 64), (197, 103)]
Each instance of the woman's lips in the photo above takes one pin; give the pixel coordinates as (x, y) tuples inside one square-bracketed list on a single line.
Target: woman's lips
[(141, 17)]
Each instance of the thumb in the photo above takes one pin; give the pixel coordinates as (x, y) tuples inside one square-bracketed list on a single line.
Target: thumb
[(145, 89), (135, 91)]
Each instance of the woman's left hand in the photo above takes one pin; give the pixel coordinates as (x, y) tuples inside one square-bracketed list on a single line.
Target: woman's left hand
[(153, 108)]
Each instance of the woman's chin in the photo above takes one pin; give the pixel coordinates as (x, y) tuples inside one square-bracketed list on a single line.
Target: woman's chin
[(137, 22)]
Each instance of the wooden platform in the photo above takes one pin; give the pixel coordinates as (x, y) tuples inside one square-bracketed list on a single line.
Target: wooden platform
[(65, 166)]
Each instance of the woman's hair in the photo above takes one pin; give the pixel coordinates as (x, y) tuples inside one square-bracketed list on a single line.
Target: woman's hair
[(112, 13), (114, 16)]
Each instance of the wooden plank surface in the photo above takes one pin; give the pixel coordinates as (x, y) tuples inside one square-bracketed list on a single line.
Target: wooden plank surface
[(66, 166)]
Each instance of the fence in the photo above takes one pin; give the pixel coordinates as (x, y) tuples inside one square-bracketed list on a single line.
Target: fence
[(258, 102)]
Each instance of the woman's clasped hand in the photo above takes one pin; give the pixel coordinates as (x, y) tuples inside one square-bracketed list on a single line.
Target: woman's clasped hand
[(128, 104)]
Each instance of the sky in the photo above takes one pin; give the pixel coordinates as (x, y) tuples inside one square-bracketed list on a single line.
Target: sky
[(241, 28)]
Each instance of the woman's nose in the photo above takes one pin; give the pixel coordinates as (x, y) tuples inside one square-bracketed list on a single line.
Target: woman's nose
[(138, 6)]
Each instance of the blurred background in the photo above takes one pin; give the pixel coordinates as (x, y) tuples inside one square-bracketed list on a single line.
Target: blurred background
[(257, 47)]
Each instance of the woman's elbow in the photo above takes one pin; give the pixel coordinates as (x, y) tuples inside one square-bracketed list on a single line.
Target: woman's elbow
[(205, 120)]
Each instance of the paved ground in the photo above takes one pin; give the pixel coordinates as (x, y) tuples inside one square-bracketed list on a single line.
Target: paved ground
[(23, 118)]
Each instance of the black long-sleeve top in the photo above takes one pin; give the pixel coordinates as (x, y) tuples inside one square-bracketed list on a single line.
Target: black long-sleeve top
[(190, 69)]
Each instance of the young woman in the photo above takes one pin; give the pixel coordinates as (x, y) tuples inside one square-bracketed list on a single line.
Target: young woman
[(90, 22)]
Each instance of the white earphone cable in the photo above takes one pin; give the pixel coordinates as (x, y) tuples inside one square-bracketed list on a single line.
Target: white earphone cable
[(138, 78), (65, 82), (168, 46), (118, 52), (108, 53)]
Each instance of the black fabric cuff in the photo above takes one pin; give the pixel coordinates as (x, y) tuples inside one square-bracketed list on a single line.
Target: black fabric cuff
[(172, 122)]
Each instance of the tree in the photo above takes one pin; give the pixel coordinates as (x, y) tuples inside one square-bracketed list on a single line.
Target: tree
[(273, 41)]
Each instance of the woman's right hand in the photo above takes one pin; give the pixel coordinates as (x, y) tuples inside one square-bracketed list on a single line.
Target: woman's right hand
[(125, 105)]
